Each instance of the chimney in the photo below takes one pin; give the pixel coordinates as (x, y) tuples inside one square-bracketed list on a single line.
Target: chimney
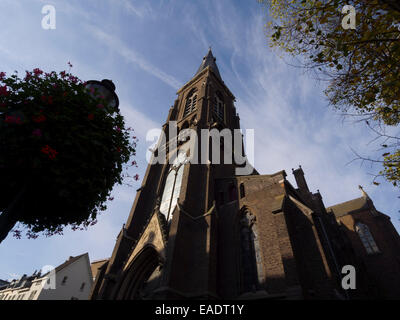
[(300, 180)]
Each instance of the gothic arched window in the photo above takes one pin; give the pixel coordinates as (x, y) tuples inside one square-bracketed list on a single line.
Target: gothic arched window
[(172, 187), (218, 107), (252, 274), (191, 102), (366, 238)]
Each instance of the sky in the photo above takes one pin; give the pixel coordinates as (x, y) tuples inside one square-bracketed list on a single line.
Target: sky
[(152, 48)]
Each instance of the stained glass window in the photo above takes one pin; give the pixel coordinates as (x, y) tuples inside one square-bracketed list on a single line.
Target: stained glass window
[(172, 188), (366, 238), (252, 268)]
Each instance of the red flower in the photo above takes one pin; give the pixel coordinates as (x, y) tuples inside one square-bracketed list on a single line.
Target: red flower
[(44, 98), (49, 151), (100, 106), (2, 75), (136, 177), (37, 72), (50, 100), (13, 119), (40, 118), (3, 91), (91, 116), (28, 75), (118, 149), (63, 74)]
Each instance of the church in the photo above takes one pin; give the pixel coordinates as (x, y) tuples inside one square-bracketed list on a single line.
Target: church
[(200, 231)]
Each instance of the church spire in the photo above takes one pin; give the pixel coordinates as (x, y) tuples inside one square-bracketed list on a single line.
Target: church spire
[(209, 61)]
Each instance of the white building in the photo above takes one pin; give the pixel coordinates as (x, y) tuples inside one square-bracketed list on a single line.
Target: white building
[(71, 280)]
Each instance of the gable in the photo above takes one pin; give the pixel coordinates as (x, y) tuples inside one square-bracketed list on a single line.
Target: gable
[(152, 235)]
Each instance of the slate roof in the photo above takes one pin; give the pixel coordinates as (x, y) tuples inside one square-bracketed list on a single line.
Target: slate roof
[(209, 61), (348, 207)]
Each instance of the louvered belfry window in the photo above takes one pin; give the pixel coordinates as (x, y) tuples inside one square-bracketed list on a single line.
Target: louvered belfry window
[(191, 102), (218, 107)]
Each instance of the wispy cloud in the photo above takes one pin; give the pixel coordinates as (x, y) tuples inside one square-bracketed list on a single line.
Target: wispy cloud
[(132, 56)]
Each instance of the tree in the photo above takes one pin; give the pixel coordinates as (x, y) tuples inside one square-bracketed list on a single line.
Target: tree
[(61, 152), (361, 65)]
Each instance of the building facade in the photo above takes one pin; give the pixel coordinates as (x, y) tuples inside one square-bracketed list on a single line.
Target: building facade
[(201, 231), (71, 280)]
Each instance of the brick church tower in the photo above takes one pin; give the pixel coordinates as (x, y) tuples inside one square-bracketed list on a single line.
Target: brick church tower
[(198, 230)]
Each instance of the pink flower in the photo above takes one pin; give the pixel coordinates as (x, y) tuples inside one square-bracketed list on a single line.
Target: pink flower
[(63, 74), (73, 79), (37, 133), (28, 75)]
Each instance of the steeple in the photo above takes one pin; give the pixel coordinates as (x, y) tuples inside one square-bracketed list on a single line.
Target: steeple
[(209, 61)]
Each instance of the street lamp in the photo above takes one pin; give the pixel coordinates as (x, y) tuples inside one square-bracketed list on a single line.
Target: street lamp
[(106, 89)]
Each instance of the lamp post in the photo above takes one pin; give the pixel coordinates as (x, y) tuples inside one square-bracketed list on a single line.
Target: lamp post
[(105, 88)]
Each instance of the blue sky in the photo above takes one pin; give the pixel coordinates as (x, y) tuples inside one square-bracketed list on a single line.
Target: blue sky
[(150, 49)]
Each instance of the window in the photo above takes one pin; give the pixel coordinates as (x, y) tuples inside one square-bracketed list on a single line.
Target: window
[(172, 187), (191, 102), (64, 280), (242, 193), (366, 238), (218, 108), (82, 286), (251, 260), (32, 295)]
